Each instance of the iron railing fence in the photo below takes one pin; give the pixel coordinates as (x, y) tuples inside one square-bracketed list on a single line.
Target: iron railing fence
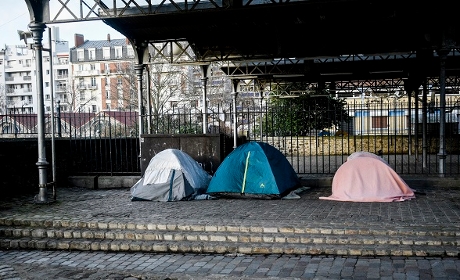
[(316, 138)]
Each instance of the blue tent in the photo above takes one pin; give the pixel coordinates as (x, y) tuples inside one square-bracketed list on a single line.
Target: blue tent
[(254, 168)]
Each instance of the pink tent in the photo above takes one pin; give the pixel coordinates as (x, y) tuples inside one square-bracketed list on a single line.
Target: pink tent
[(366, 177)]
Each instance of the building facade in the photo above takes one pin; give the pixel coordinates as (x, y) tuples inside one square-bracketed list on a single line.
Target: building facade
[(18, 79), (102, 75)]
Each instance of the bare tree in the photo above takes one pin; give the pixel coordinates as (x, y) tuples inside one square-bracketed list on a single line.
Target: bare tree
[(166, 85), (121, 86), (73, 99)]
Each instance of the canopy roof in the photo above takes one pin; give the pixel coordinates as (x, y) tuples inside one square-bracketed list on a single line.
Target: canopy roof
[(302, 30)]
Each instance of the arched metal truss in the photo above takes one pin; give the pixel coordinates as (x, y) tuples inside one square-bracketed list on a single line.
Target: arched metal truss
[(345, 45), (295, 41)]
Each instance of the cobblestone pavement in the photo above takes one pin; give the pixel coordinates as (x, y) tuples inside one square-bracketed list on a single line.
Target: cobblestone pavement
[(437, 208), (433, 206), (129, 266)]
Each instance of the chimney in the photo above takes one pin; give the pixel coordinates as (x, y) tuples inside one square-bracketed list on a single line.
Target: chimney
[(79, 40), (108, 37)]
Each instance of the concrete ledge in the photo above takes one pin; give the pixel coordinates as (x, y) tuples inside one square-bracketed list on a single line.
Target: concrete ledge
[(412, 181), (89, 182), (102, 182), (111, 182), (433, 182)]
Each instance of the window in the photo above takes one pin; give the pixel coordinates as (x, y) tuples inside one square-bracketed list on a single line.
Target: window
[(93, 67), (119, 81), (80, 55), (93, 108), (93, 81), (118, 52), (47, 72), (92, 54), (379, 122), (130, 51), (80, 67), (106, 52), (47, 97), (47, 84)]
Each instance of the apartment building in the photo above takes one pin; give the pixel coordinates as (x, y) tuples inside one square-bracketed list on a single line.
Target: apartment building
[(61, 78), (18, 80), (102, 75), (18, 77)]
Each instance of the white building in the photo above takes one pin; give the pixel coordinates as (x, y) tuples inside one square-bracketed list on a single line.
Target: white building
[(18, 79), (18, 83)]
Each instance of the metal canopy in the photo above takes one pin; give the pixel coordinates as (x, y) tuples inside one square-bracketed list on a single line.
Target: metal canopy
[(303, 30), (300, 29)]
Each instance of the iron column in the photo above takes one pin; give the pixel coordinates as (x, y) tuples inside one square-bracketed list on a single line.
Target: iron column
[(205, 104), (37, 29), (442, 111)]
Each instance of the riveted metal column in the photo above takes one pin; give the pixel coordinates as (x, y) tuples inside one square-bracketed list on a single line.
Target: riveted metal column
[(204, 82), (409, 115), (204, 107), (149, 101), (235, 115), (424, 126), (139, 74), (442, 114), (261, 114), (37, 29)]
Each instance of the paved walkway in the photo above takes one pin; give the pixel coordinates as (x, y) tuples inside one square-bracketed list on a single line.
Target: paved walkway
[(435, 208), (99, 265)]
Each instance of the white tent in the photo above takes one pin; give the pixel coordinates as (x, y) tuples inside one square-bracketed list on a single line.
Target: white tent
[(171, 175)]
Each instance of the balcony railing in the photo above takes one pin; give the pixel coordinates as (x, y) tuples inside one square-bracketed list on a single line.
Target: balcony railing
[(87, 73), (61, 88)]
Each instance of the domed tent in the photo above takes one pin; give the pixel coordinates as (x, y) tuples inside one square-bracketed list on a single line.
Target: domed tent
[(366, 177), (255, 169), (171, 175)]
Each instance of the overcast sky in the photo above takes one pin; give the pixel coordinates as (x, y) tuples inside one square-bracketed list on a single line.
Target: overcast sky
[(14, 16)]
